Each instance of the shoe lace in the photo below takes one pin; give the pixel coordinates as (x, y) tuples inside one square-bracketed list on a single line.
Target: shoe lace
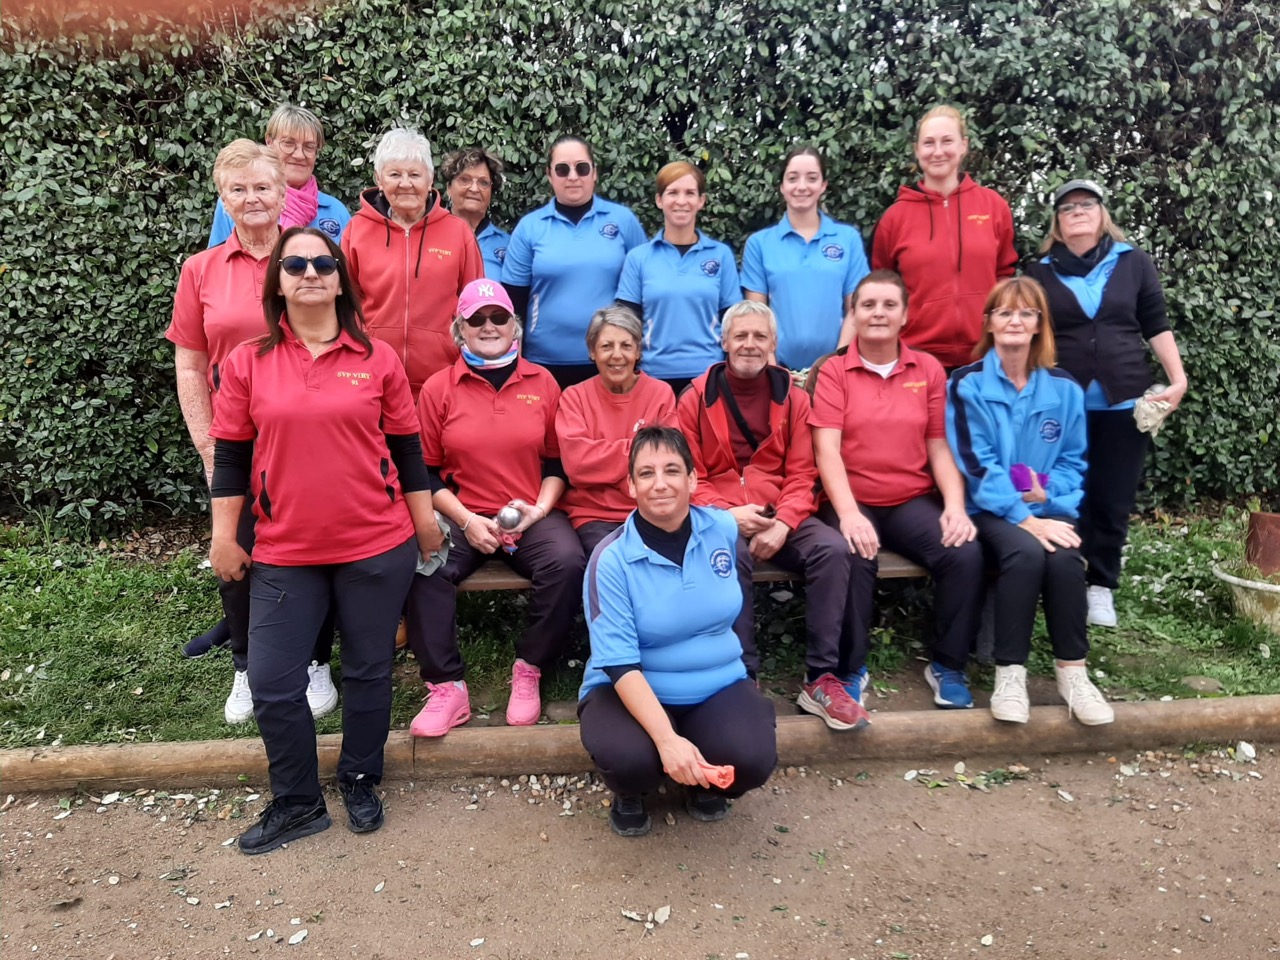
[(524, 681), (438, 697), (1080, 689), (240, 685), (1006, 685), (318, 676), (947, 675)]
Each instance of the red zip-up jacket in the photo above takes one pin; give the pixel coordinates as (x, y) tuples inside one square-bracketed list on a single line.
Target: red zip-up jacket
[(409, 280), (950, 252), (781, 472)]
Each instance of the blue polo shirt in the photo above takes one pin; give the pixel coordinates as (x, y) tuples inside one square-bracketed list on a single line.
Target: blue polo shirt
[(806, 283), (676, 622), (683, 297), (571, 270), (331, 217), (493, 248)]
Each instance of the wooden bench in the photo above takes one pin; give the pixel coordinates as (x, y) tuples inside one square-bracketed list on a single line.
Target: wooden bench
[(496, 575)]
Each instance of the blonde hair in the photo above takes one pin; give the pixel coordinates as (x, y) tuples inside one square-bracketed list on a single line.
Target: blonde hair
[(1014, 293), (1107, 226), (943, 110), (242, 153), (290, 120)]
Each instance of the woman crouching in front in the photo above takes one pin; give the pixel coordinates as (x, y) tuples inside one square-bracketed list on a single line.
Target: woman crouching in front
[(312, 408), (665, 690), (1017, 427)]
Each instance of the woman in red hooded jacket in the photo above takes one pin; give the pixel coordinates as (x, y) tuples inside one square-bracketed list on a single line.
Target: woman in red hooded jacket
[(410, 258), (949, 239)]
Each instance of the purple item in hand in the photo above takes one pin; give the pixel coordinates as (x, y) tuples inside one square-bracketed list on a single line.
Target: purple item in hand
[(1021, 475)]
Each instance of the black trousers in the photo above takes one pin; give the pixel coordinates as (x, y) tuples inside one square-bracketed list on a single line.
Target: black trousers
[(821, 556), (1117, 455), (592, 532), (548, 553), (735, 726), (286, 606), (913, 530), (1025, 572), (235, 601)]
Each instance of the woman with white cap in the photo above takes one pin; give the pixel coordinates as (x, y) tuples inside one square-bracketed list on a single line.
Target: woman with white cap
[(1107, 306)]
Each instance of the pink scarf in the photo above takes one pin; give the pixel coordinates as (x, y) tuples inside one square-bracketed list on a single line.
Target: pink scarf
[(300, 205)]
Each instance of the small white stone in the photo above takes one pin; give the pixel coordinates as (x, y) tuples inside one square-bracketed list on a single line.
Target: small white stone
[(297, 938), (380, 886), (478, 942), (1245, 751), (113, 880), (911, 775), (988, 940)]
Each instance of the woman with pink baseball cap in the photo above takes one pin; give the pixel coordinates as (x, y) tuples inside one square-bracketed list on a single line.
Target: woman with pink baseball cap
[(489, 441)]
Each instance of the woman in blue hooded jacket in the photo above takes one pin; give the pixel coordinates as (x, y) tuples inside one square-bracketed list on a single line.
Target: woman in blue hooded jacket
[(1017, 428)]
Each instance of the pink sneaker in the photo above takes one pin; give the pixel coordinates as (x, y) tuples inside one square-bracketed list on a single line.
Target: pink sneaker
[(525, 705), (447, 706)]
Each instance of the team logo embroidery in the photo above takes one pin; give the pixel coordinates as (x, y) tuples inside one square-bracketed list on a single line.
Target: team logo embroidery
[(711, 268), (915, 386), (501, 254), (833, 252), (979, 219), (637, 425), (609, 231), (1050, 431), (485, 289), (721, 562), (331, 227)]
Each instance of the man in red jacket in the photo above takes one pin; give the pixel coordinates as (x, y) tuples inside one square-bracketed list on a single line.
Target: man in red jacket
[(748, 427)]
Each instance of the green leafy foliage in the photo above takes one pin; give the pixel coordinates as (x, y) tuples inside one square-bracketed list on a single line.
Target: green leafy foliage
[(110, 134)]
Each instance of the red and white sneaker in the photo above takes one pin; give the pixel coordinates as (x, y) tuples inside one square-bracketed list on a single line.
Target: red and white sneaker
[(448, 705), (827, 698), (525, 706)]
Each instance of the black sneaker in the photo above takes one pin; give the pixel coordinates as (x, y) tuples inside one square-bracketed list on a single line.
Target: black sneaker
[(706, 806), (283, 823), (219, 635), (364, 808), (628, 817)]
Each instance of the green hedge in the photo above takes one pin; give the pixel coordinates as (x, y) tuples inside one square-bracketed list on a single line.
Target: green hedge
[(110, 135)]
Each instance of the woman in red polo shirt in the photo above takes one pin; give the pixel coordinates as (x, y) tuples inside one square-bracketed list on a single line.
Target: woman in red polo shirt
[(410, 257), (489, 441), (320, 417), (217, 306), (880, 440), (597, 419)]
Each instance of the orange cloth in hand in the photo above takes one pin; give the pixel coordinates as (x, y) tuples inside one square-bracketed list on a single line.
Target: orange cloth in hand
[(721, 777)]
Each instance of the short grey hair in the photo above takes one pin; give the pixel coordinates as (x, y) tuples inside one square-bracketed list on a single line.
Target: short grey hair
[(615, 316), (290, 119), (747, 308), (403, 144), (455, 330)]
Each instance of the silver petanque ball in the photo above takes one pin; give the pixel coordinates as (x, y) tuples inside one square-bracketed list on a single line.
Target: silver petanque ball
[(508, 518)]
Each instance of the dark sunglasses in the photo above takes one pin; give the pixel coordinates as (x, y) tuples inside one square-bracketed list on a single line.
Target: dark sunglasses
[(476, 321), (297, 266), (581, 168)]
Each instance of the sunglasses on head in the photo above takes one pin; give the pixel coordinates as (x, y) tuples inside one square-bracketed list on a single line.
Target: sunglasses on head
[(581, 168), (297, 266), (477, 320)]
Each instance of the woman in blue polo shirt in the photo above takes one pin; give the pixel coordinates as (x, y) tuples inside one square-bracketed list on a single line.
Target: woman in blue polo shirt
[(680, 282), (564, 260), (806, 266), (665, 690)]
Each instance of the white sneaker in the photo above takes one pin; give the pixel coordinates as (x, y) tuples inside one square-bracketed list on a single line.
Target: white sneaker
[(1084, 700), (1009, 701), (239, 706), (322, 695), (1102, 608)]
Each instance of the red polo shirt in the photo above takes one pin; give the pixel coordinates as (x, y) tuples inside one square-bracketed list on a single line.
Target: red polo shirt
[(325, 489), (218, 304), (883, 422), (595, 428), (489, 444)]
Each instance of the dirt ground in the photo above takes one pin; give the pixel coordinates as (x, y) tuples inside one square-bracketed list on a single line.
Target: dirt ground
[(1153, 855)]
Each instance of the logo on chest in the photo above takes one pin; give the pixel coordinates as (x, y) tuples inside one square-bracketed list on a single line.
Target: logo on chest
[(978, 219), (833, 252), (355, 378), (609, 231), (721, 562), (1050, 431), (529, 398), (915, 386), (711, 268)]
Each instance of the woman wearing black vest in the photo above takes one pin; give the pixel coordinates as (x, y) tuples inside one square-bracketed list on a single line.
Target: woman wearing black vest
[(1106, 300)]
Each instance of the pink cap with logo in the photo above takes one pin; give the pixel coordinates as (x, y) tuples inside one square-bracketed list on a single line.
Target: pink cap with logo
[(483, 293)]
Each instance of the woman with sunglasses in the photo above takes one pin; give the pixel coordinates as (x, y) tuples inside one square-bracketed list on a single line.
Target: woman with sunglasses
[(564, 260), (1108, 308), (489, 441), (472, 176), (597, 419), (313, 407), (410, 258), (805, 266), (680, 282), (218, 305), (1017, 427), (948, 238), (296, 136)]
